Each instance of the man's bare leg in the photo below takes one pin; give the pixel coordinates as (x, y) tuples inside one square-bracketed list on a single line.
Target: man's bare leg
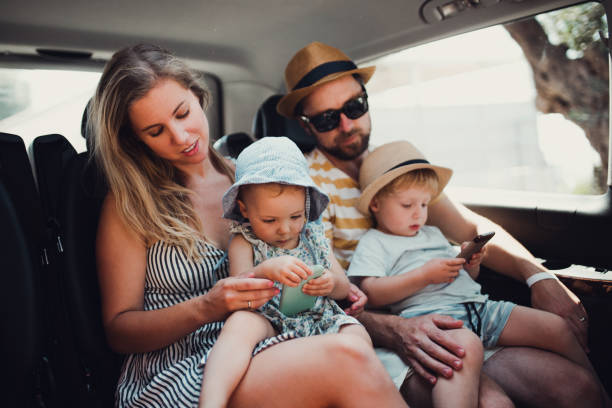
[(540, 378)]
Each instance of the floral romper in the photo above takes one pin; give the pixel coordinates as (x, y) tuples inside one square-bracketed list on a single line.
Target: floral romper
[(313, 249)]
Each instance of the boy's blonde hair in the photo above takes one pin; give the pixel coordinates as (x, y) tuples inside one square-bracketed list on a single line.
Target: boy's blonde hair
[(422, 178)]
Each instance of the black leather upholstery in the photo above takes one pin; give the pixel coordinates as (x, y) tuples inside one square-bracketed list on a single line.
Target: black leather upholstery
[(232, 144), (22, 331), (268, 122), (82, 194)]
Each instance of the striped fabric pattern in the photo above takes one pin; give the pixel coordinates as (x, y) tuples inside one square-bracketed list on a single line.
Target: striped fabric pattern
[(344, 224), (172, 376)]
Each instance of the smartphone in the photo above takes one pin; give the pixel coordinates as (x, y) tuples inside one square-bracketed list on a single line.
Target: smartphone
[(474, 245), (293, 300)]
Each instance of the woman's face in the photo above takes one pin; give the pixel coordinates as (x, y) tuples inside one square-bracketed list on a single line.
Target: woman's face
[(170, 120)]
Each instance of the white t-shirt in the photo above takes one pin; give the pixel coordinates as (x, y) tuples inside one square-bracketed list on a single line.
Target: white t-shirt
[(380, 254)]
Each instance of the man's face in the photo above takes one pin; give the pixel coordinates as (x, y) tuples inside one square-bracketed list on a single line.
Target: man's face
[(350, 139)]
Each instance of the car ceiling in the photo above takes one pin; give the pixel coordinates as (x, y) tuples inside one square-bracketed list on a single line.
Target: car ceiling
[(248, 40)]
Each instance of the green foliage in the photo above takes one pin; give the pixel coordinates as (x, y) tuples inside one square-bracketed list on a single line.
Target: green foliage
[(577, 27), (592, 186)]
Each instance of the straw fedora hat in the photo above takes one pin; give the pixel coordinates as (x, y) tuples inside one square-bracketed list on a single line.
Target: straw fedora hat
[(388, 162), (312, 66)]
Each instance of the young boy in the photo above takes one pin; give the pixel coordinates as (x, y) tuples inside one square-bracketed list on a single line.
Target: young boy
[(411, 268)]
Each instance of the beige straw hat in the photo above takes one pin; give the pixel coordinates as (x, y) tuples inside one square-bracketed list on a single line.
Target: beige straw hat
[(312, 66), (388, 162)]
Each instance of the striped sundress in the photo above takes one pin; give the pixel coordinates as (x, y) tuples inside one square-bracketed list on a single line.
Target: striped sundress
[(172, 376)]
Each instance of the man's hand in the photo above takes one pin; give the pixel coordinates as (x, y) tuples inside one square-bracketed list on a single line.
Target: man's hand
[(423, 342), (553, 296)]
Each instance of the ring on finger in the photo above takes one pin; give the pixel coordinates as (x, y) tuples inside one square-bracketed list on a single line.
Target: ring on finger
[(582, 319)]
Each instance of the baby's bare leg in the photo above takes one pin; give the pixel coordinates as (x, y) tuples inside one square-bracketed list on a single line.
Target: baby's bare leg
[(230, 357)]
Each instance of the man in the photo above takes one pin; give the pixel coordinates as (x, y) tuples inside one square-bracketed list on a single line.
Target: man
[(326, 94)]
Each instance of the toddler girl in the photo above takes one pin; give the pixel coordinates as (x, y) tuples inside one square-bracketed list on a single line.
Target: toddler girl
[(278, 236)]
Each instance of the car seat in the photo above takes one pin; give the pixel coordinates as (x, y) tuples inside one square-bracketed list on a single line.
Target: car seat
[(232, 144), (268, 122), (22, 337), (72, 193)]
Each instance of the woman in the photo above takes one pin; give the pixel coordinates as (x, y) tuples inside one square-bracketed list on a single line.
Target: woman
[(161, 255)]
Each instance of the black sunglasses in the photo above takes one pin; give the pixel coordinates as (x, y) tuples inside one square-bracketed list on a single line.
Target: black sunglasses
[(330, 119)]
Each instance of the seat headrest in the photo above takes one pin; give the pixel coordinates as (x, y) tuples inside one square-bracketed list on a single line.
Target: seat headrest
[(232, 144), (268, 122), (85, 127)]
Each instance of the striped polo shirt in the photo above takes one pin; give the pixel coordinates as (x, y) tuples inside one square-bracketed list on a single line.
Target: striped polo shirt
[(343, 222)]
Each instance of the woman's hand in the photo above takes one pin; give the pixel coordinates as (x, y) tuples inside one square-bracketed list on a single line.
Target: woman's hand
[(321, 286), (286, 269), (235, 293), (442, 270)]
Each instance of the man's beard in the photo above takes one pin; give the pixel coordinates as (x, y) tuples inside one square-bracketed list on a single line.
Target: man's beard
[(348, 152)]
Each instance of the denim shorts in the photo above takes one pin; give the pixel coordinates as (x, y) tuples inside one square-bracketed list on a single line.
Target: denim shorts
[(486, 319)]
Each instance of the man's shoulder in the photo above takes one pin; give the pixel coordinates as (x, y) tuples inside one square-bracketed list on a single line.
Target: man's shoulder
[(326, 175), (318, 162)]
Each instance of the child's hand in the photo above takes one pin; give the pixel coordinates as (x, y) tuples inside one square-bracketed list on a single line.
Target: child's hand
[(442, 270), (321, 286), (358, 301), (285, 269), (472, 265)]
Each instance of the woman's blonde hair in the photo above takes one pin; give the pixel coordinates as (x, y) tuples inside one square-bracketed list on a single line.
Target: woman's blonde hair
[(149, 191)]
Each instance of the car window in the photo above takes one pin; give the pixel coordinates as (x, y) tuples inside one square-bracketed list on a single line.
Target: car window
[(522, 106), (36, 102)]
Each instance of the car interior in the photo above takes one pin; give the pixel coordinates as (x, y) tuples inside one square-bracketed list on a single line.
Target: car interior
[(52, 337)]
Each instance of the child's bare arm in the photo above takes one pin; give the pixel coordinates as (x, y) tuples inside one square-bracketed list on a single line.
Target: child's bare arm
[(240, 254), (382, 291), (285, 269), (341, 282)]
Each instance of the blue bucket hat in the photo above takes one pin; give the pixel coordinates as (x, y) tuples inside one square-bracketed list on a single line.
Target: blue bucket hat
[(273, 160)]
